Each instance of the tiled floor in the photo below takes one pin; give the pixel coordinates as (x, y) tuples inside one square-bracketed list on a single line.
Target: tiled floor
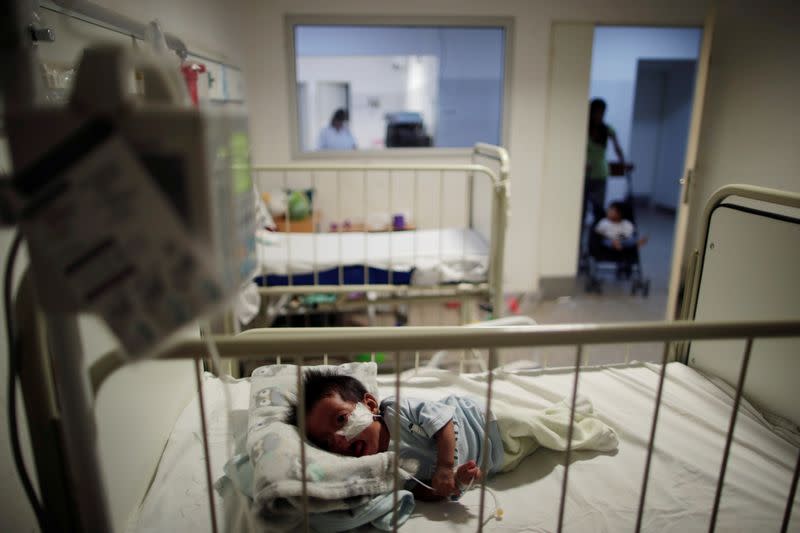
[(616, 304)]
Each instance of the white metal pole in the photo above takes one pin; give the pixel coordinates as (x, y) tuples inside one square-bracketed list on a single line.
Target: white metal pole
[(77, 422)]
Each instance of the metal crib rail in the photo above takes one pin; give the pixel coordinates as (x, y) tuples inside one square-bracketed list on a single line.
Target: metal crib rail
[(396, 173), (722, 195), (255, 343), (501, 212), (303, 343)]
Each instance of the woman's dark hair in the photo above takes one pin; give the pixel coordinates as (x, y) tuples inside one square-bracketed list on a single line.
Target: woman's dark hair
[(319, 384), (597, 104), (598, 132), (340, 115)]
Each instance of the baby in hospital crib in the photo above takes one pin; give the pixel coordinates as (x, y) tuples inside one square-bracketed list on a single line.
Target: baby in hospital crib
[(441, 442)]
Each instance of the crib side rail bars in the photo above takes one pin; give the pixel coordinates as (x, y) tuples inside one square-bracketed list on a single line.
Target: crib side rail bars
[(498, 178), (501, 212), (255, 343), (392, 292), (305, 343), (696, 259), (377, 167)]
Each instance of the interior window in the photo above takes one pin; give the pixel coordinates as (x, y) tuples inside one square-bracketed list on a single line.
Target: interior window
[(363, 87)]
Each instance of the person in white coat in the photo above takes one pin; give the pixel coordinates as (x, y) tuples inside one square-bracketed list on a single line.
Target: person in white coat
[(337, 136)]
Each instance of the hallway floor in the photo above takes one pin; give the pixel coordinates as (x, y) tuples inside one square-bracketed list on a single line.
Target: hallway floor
[(616, 304)]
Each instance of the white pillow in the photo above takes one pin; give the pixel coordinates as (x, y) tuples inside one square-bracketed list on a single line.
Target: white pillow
[(285, 376)]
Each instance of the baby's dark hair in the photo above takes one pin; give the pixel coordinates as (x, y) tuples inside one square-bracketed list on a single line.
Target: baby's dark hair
[(619, 206), (319, 384)]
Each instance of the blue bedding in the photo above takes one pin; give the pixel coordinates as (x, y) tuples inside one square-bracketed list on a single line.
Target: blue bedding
[(352, 275)]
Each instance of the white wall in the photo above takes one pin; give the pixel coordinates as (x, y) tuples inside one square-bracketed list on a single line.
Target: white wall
[(268, 90), (210, 28), (207, 27), (470, 88), (565, 146), (422, 90), (750, 130), (615, 55)]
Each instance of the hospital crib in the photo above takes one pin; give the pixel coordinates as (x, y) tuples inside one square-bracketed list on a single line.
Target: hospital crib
[(453, 252), (702, 446)]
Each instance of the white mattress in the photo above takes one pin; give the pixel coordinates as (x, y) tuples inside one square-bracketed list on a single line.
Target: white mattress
[(603, 489), (178, 499), (439, 256)]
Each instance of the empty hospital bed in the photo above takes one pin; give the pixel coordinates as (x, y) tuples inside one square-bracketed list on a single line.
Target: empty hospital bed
[(453, 251)]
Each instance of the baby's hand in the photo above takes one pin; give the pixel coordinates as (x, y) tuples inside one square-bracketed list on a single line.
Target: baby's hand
[(444, 482), (468, 473)]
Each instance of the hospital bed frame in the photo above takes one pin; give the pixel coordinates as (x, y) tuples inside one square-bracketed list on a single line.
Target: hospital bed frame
[(394, 293), (47, 419)]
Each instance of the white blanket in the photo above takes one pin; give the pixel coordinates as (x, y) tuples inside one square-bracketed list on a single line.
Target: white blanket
[(340, 483), (438, 256), (603, 490), (524, 430), (333, 482)]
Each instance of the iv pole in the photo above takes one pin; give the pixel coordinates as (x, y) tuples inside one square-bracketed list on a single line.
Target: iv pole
[(74, 413)]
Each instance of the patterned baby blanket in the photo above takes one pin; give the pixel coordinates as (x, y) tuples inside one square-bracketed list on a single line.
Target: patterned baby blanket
[(333, 482)]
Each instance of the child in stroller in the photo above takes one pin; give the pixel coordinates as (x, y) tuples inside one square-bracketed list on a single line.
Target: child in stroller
[(618, 233), (614, 239)]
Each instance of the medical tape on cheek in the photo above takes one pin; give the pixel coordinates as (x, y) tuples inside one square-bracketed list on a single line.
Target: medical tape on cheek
[(358, 421)]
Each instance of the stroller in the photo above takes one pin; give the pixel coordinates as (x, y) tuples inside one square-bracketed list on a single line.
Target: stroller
[(598, 258)]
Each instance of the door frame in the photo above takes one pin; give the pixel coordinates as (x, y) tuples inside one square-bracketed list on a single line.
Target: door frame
[(677, 272), (566, 283), (644, 66)]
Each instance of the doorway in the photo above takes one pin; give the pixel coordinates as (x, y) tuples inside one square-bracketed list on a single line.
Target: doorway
[(646, 76), (661, 114)]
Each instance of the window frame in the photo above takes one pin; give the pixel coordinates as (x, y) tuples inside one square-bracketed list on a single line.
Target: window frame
[(292, 21)]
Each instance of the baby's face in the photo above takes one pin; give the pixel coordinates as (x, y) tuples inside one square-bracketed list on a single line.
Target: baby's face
[(330, 414), (613, 214)]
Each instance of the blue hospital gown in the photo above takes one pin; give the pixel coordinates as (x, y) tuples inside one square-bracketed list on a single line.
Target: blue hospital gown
[(421, 419)]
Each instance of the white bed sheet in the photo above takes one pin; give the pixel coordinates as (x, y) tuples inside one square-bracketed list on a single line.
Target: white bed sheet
[(439, 256), (603, 489), (178, 498)]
